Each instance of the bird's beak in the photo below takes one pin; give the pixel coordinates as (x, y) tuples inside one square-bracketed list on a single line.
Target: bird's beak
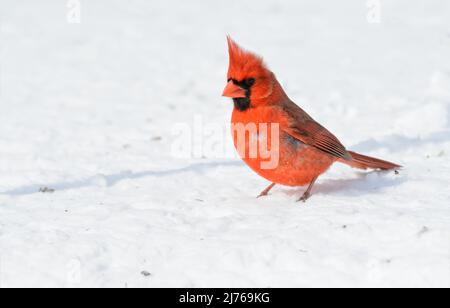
[(234, 91)]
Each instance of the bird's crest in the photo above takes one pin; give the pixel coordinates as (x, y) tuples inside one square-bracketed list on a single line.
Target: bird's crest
[(244, 64)]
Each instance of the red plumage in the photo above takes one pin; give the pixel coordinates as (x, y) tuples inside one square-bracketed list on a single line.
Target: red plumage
[(305, 148)]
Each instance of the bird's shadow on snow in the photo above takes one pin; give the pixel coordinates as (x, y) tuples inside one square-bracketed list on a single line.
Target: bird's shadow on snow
[(112, 179), (379, 180), (364, 184)]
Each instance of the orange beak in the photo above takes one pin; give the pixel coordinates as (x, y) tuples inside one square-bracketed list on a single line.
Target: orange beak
[(234, 91)]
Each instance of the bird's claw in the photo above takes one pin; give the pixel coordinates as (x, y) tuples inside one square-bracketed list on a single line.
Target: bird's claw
[(266, 191), (304, 197), (262, 195)]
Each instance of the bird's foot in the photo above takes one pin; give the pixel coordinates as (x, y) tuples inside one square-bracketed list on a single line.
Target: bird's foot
[(307, 193), (263, 194), (266, 191), (305, 197)]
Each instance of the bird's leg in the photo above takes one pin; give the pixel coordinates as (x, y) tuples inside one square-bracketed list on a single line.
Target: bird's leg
[(307, 193), (266, 191)]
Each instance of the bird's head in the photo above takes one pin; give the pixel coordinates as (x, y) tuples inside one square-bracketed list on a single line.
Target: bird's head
[(249, 80)]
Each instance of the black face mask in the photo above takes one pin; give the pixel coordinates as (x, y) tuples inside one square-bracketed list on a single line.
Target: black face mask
[(244, 103)]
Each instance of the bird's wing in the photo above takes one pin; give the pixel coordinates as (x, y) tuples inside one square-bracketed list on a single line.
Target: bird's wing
[(304, 128)]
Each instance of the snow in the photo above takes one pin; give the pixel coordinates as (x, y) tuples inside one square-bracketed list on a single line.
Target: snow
[(91, 111)]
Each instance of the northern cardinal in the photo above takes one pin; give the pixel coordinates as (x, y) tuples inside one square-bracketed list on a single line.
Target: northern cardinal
[(304, 149)]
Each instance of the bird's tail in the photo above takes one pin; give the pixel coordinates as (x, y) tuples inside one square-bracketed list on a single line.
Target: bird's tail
[(365, 162)]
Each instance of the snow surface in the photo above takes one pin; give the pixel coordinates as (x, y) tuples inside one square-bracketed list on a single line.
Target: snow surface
[(89, 110)]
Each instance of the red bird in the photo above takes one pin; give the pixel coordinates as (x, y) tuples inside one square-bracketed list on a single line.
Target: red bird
[(303, 149)]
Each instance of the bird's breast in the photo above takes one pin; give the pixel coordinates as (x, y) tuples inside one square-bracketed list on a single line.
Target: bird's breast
[(274, 154)]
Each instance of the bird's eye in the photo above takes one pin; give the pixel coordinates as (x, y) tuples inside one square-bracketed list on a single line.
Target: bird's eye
[(250, 82)]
